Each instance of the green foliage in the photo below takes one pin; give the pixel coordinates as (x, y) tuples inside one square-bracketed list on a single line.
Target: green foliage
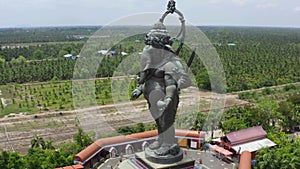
[(199, 122), (237, 118), (285, 156), (20, 60), (47, 34), (270, 114), (262, 56), (274, 117), (140, 127), (82, 139), (57, 95), (9, 160), (43, 155), (277, 93), (290, 116), (38, 54), (38, 142), (295, 99), (2, 60), (289, 87), (270, 107)]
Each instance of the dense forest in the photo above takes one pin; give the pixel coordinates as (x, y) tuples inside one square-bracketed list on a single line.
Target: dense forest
[(259, 57), (45, 34)]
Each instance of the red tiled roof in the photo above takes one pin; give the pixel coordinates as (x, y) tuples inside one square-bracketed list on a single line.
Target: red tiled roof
[(221, 150), (246, 135), (97, 145), (189, 133), (78, 166), (146, 134)]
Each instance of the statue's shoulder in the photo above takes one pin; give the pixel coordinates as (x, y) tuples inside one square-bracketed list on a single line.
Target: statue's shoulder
[(174, 62)]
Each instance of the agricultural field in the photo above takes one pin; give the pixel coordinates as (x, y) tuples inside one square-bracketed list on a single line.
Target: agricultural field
[(56, 96), (251, 57), (100, 119)]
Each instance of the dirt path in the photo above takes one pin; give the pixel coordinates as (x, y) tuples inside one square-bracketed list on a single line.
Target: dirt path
[(271, 87), (17, 132)]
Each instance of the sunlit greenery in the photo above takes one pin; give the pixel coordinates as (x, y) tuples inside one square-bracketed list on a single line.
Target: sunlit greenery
[(43, 155)]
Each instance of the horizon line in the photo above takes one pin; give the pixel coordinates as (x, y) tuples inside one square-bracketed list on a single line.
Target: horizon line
[(208, 25)]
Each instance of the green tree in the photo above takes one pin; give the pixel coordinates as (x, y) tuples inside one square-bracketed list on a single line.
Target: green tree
[(290, 116), (2, 60), (212, 122), (62, 53), (285, 156), (19, 60), (49, 145), (36, 158), (38, 54), (38, 142), (4, 160), (126, 130), (140, 127), (16, 161), (199, 122), (82, 139), (270, 107)]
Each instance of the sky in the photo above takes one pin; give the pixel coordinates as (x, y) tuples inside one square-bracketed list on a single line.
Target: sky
[(273, 13)]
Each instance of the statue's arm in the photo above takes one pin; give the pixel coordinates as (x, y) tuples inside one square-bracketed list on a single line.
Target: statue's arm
[(171, 92), (136, 93), (184, 80)]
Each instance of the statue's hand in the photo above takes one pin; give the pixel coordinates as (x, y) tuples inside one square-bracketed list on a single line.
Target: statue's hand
[(135, 94), (163, 104)]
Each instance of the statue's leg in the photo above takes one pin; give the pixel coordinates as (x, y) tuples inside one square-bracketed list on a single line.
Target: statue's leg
[(154, 97), (168, 130), (157, 143)]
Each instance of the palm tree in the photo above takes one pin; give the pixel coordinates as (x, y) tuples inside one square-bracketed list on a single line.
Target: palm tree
[(49, 145), (38, 142)]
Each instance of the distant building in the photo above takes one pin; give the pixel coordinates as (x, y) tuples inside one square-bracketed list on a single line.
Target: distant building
[(107, 53), (250, 139), (124, 53), (231, 44), (70, 56), (103, 52)]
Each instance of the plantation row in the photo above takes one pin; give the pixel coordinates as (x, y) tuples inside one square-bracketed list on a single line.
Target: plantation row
[(58, 96), (259, 57)]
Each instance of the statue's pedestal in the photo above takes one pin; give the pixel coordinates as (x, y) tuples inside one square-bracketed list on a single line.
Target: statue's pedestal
[(168, 159), (140, 162)]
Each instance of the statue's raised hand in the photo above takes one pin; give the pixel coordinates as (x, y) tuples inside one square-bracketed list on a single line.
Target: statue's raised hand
[(136, 94)]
